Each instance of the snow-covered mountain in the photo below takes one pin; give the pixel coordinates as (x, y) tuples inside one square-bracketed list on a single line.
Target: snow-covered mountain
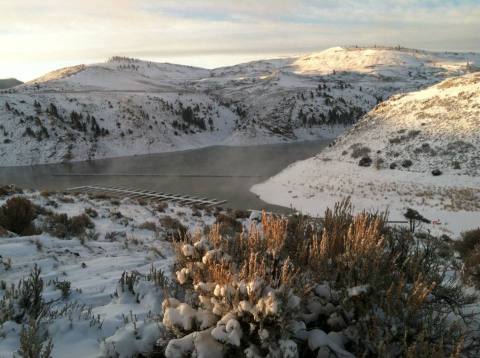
[(433, 130), (127, 106), (418, 150)]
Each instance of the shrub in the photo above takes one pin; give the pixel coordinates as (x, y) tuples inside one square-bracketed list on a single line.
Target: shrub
[(228, 225), (289, 288), (410, 135), (161, 206), (91, 212), (23, 301), (365, 162), (395, 140), (175, 230), (407, 163), (115, 235), (436, 172), (241, 214), (64, 287), (17, 215), (469, 240), (79, 223), (471, 266), (359, 151), (148, 225), (60, 225), (32, 343), (393, 165)]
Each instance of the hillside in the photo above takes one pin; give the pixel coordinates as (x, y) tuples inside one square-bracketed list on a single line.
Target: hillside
[(127, 106), (9, 82), (92, 275), (431, 130), (415, 150)]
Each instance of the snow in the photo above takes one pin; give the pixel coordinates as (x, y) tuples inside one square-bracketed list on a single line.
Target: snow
[(229, 332), (183, 316), (203, 343), (379, 61), (449, 114), (318, 339), (139, 102), (101, 318), (358, 290)]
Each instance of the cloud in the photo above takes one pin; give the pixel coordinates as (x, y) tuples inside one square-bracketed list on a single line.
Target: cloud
[(34, 33)]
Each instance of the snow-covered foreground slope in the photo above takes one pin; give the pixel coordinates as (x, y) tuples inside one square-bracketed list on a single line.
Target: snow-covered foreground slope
[(87, 275), (127, 106), (418, 150), (99, 316)]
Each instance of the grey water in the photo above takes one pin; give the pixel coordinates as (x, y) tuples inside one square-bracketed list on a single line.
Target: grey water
[(220, 172)]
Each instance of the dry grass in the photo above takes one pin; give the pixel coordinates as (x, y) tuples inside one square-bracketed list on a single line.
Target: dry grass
[(175, 230), (403, 278)]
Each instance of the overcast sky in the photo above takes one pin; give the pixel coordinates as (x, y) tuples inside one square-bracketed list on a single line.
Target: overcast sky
[(39, 36)]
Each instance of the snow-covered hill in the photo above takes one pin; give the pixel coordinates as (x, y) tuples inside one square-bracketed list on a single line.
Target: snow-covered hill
[(9, 82), (117, 74), (417, 150), (435, 129), (128, 106)]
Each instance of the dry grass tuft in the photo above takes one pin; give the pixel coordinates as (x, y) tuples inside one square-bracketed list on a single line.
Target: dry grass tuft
[(372, 269)]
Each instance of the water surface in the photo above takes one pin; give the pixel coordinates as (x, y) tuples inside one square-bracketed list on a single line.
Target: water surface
[(220, 172)]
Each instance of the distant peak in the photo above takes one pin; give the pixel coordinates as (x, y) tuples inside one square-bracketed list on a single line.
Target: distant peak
[(9, 82)]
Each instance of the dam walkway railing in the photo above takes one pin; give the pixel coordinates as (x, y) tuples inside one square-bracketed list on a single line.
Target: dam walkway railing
[(147, 195)]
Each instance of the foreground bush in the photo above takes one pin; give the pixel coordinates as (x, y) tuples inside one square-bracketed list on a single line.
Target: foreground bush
[(349, 286), (17, 215), (469, 249)]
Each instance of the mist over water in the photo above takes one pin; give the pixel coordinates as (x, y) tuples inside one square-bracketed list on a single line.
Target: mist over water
[(219, 172)]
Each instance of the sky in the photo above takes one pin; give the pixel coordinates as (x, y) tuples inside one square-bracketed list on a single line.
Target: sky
[(40, 36)]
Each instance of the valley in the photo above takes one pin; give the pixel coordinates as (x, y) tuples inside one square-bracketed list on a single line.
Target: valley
[(128, 107), (417, 150), (351, 225)]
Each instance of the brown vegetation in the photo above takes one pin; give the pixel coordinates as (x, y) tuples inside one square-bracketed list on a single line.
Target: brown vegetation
[(175, 230), (17, 215), (371, 269), (62, 226)]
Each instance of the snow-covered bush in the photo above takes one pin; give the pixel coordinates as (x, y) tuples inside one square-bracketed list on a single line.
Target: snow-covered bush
[(348, 286)]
